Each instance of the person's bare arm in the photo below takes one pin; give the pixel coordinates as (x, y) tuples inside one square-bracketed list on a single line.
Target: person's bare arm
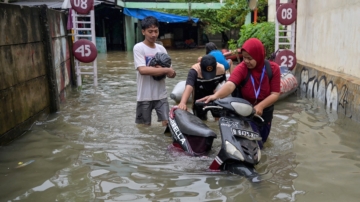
[(156, 71), (185, 96), (220, 65), (224, 91), (268, 101)]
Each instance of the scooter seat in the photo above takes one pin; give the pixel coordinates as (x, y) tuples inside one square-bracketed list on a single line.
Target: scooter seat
[(190, 124)]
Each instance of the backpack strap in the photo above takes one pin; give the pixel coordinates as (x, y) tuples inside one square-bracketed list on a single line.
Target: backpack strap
[(268, 72), (268, 69), (243, 82)]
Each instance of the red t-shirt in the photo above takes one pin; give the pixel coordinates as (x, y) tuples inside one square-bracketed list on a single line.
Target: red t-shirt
[(247, 91)]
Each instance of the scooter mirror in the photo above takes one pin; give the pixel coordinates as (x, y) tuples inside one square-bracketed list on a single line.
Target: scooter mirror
[(242, 109)]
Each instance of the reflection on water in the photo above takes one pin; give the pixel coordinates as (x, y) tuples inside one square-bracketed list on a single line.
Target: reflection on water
[(92, 150)]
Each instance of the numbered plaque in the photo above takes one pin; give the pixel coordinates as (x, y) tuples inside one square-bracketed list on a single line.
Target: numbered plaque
[(84, 50), (82, 6), (286, 58), (286, 14)]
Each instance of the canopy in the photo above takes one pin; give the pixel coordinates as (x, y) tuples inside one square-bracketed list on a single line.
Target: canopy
[(161, 17)]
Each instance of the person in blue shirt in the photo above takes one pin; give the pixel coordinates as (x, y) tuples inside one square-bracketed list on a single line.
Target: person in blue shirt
[(211, 49)]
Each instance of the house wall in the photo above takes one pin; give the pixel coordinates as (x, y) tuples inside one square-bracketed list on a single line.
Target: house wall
[(327, 52), (34, 66), (328, 35)]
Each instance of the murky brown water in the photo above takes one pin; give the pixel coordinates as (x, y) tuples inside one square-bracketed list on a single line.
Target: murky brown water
[(91, 150)]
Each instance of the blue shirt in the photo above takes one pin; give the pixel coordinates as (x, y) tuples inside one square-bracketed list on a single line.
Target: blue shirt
[(220, 58)]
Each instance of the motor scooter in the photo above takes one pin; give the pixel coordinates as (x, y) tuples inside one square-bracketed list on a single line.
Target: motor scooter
[(240, 150)]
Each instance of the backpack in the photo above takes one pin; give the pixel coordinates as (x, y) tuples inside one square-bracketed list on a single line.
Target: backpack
[(237, 92)]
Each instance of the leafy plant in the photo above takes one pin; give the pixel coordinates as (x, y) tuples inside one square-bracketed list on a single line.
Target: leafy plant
[(264, 31), (233, 48), (230, 16)]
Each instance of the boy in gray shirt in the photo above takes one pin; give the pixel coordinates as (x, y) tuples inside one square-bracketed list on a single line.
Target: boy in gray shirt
[(151, 93)]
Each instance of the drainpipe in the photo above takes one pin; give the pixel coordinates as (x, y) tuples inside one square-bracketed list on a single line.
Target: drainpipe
[(255, 16)]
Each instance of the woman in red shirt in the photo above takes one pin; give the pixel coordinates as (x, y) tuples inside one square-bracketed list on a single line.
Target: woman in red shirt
[(259, 90)]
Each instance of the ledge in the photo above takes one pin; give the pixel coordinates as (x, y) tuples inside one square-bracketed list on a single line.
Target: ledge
[(168, 5), (339, 92)]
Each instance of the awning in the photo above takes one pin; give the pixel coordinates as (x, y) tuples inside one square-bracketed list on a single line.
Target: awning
[(162, 17)]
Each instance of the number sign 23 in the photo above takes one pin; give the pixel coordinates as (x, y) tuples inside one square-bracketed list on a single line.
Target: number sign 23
[(84, 51), (82, 6), (286, 58)]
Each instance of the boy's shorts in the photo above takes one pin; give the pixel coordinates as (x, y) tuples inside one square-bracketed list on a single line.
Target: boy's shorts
[(144, 110)]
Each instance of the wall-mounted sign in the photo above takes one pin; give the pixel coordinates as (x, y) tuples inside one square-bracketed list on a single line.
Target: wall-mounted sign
[(286, 58), (82, 6), (286, 14), (84, 50)]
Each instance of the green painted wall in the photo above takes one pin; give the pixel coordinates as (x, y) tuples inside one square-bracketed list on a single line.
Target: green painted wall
[(130, 36)]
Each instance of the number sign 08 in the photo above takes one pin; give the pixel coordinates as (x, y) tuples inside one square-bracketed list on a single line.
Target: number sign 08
[(84, 50), (286, 58), (286, 14), (82, 6)]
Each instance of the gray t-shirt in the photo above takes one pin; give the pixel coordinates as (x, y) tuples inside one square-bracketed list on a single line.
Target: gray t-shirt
[(148, 89)]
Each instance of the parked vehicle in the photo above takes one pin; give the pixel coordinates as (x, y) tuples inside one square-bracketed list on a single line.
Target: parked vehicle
[(239, 151)]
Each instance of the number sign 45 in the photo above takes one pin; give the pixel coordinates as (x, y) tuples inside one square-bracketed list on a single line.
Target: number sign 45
[(82, 6), (84, 51)]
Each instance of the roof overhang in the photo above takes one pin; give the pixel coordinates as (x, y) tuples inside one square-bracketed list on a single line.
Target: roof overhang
[(169, 5), (61, 4)]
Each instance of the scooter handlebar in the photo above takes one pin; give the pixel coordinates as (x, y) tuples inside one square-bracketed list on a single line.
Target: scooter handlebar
[(203, 104), (207, 106), (259, 117)]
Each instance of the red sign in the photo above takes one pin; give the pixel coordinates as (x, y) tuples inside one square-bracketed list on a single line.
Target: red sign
[(286, 58), (286, 14), (84, 50), (82, 6)]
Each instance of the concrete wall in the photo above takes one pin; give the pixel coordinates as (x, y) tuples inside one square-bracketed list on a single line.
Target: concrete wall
[(338, 92), (328, 35), (34, 66), (327, 52), (60, 49)]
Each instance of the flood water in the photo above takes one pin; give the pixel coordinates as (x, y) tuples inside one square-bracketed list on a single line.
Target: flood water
[(91, 150)]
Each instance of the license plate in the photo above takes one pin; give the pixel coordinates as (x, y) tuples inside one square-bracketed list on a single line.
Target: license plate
[(251, 135)]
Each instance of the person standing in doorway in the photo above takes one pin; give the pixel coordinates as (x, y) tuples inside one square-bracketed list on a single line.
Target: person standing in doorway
[(151, 93), (224, 40)]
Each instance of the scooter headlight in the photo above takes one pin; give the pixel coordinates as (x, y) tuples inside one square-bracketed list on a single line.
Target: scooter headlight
[(231, 149)]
